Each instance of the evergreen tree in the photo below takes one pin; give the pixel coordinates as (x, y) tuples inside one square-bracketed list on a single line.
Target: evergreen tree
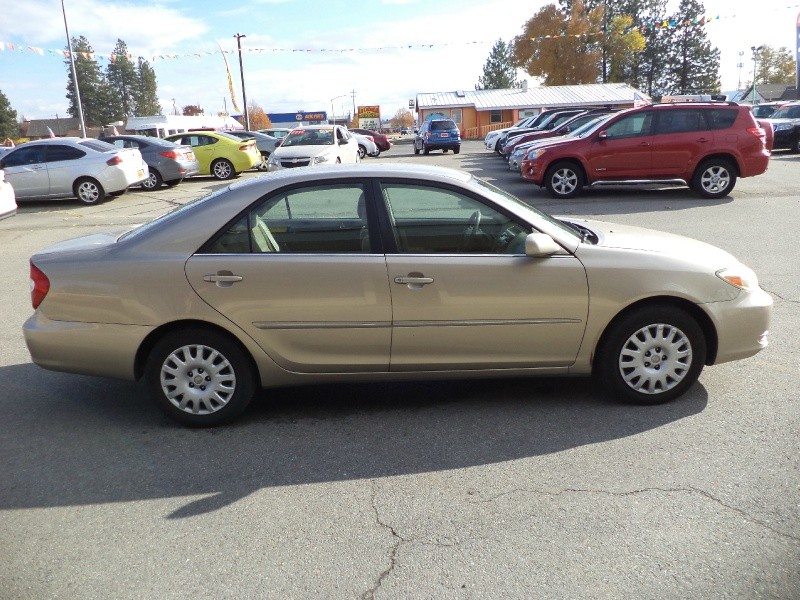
[(123, 80), (146, 97), (499, 72), (96, 94), (9, 127), (692, 65)]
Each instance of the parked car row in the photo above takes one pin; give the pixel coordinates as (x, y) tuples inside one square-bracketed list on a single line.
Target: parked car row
[(703, 145)]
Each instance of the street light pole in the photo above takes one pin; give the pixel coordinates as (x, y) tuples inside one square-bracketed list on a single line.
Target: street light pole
[(333, 114), (239, 37), (74, 73), (755, 69)]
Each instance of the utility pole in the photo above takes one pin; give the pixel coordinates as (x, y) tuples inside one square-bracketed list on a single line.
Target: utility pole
[(239, 37), (74, 73), (353, 94)]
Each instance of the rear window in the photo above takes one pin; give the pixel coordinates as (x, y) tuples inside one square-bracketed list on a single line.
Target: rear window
[(442, 125), (721, 118), (98, 145)]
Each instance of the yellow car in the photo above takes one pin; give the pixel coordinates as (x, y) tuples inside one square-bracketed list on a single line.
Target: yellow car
[(222, 155)]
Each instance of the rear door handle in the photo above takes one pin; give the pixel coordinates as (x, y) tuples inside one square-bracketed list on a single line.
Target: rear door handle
[(409, 280)]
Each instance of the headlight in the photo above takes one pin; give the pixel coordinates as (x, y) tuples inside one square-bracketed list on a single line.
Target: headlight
[(321, 159), (534, 154), (740, 277), (783, 126)]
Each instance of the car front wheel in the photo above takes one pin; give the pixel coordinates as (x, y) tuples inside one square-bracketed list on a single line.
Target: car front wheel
[(223, 169), (416, 150), (88, 191), (714, 178), (652, 355), (564, 180), (362, 151), (200, 377)]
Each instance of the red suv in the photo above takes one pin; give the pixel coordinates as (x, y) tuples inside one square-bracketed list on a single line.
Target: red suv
[(703, 145)]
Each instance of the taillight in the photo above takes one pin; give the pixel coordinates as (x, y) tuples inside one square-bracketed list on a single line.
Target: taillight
[(759, 133), (370, 138), (40, 285), (245, 148), (170, 154), (114, 161)]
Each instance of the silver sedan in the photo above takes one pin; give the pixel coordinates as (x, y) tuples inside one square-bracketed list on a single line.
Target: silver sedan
[(385, 272)]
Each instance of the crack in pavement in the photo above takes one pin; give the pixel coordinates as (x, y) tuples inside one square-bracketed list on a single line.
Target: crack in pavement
[(779, 297), (690, 490), (398, 539)]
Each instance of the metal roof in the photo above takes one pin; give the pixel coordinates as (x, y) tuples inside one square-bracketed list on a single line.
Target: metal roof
[(533, 97)]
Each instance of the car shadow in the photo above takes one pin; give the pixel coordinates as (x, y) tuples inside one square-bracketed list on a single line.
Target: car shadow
[(74, 440)]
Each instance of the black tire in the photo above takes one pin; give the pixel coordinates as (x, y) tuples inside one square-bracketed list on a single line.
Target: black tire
[(199, 377), (794, 147), (362, 151), (173, 182), (88, 191), (651, 355), (222, 169), (377, 153), (444, 150), (416, 150), (714, 178), (457, 149), (497, 146), (564, 180), (425, 149), (153, 181)]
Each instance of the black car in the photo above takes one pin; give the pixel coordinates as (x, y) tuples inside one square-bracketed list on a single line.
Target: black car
[(786, 124)]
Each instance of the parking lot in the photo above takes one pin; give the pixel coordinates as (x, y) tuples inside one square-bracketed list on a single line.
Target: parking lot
[(492, 489)]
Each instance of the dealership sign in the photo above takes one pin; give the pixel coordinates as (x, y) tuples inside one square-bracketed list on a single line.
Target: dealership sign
[(369, 117)]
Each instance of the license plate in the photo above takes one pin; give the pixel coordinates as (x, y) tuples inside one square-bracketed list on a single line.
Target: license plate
[(190, 155), (141, 172), (445, 135)]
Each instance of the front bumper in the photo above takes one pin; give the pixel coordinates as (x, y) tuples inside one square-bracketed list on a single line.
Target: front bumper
[(742, 325)]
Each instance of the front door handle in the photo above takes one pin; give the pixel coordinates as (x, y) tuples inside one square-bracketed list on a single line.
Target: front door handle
[(223, 278), (414, 281)]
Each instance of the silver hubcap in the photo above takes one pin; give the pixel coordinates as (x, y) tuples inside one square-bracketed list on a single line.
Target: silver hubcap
[(655, 359), (222, 170), (88, 192), (150, 182), (197, 379), (564, 181), (715, 179)]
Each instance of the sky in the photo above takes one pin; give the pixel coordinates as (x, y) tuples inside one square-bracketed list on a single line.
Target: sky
[(309, 55)]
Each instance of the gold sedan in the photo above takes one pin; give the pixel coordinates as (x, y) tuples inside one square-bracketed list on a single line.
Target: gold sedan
[(385, 272)]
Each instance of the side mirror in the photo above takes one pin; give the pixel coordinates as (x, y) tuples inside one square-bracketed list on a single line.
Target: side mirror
[(540, 245), (602, 136)]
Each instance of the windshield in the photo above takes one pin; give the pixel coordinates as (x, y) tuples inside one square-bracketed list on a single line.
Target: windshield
[(491, 190), (589, 127), (308, 137), (787, 112)]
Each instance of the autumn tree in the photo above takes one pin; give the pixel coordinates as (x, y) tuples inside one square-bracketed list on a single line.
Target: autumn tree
[(775, 66), (499, 71), (560, 51), (258, 118), (192, 110), (402, 118)]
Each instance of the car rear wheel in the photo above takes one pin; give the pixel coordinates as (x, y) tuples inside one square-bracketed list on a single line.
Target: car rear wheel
[(714, 178), (425, 149), (153, 181), (457, 149), (564, 180), (200, 377), (222, 169), (362, 151), (652, 355), (88, 191), (416, 150)]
